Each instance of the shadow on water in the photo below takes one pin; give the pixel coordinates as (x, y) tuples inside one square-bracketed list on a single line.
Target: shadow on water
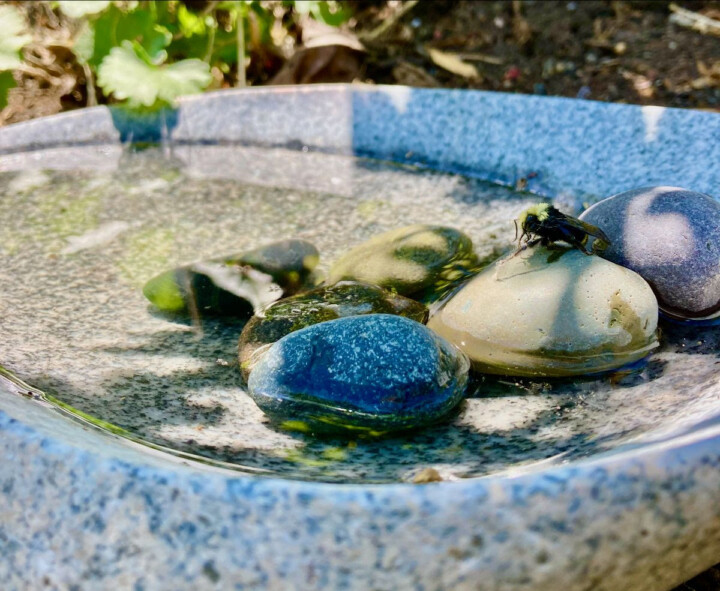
[(214, 337), (143, 404), (492, 386), (144, 399), (153, 399), (690, 338)]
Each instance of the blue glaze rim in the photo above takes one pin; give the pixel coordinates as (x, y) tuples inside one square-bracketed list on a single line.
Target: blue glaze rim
[(506, 138)]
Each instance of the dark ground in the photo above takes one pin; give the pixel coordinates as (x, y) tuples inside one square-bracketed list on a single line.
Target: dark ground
[(627, 52)]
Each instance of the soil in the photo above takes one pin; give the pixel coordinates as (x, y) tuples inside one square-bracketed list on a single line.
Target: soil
[(625, 52)]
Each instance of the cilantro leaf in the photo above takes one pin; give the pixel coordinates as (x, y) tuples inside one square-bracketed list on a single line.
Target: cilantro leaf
[(127, 76)]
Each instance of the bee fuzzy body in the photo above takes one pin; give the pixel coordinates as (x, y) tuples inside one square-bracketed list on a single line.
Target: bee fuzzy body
[(545, 224)]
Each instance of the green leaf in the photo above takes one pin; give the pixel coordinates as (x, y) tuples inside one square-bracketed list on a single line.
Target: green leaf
[(84, 44), (140, 26), (78, 9), (190, 23), (332, 13), (6, 83), (115, 26), (12, 40), (127, 76)]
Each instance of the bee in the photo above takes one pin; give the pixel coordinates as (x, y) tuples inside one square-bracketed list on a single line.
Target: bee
[(543, 223)]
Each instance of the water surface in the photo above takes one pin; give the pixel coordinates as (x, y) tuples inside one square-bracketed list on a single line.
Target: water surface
[(83, 228)]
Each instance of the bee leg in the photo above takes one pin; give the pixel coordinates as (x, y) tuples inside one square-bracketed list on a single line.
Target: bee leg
[(598, 245), (520, 245), (583, 246), (519, 249), (528, 244)]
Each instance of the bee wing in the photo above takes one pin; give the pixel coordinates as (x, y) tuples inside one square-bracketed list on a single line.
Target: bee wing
[(587, 228)]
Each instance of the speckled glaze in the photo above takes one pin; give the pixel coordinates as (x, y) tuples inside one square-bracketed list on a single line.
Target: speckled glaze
[(81, 509)]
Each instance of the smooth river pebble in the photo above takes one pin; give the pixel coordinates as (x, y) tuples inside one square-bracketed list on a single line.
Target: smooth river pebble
[(671, 237), (364, 374), (551, 311)]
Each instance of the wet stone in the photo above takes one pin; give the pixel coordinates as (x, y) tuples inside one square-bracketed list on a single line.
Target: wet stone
[(551, 311), (671, 237), (363, 375), (346, 298), (235, 285), (415, 261)]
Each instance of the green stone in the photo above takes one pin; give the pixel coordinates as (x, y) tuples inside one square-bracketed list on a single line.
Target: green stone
[(415, 261), (235, 285), (346, 298)]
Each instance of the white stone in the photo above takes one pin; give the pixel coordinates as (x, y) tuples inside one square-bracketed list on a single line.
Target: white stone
[(551, 312)]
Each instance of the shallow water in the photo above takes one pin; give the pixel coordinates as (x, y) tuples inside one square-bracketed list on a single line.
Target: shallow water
[(83, 229)]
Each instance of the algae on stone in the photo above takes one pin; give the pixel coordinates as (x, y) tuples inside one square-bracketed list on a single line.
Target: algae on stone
[(411, 260)]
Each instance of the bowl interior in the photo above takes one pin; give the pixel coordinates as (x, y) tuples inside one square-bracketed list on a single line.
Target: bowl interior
[(84, 227)]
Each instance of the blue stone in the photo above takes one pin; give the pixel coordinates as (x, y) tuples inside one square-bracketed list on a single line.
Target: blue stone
[(368, 374), (346, 298), (671, 238)]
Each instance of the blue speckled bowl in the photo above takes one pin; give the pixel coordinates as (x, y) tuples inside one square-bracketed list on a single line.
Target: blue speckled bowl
[(82, 509)]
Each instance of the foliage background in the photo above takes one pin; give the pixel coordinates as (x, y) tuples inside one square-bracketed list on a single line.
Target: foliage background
[(62, 55)]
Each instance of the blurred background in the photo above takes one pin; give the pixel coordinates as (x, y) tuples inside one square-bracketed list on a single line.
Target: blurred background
[(58, 56)]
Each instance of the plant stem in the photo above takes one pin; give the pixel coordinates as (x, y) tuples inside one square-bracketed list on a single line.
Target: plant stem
[(387, 24), (211, 41), (241, 80), (89, 85)]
